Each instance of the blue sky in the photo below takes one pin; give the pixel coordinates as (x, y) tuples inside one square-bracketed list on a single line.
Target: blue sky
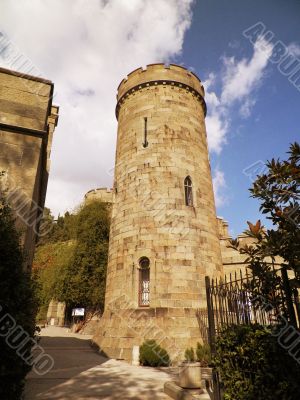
[(274, 120), (87, 47)]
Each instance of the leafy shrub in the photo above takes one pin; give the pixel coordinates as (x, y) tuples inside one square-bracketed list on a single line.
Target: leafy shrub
[(152, 355), (189, 355), (70, 263), (16, 300), (253, 366), (203, 354), (85, 274)]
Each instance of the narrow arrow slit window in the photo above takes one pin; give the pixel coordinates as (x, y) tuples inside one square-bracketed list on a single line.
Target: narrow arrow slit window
[(145, 143)]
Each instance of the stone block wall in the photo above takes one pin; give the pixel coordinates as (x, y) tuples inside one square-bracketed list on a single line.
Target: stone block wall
[(27, 123)]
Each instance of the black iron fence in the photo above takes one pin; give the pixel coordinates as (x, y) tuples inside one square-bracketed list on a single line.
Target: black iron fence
[(231, 302)]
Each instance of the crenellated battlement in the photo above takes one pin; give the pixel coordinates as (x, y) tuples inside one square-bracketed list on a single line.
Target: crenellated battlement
[(160, 74), (103, 194)]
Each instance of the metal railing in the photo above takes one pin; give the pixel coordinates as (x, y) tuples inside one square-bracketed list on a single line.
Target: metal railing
[(231, 301)]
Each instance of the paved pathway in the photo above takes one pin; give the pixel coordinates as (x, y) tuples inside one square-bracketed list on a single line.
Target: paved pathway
[(81, 373)]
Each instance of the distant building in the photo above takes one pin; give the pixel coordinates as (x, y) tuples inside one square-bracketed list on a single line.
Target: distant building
[(27, 122), (104, 195)]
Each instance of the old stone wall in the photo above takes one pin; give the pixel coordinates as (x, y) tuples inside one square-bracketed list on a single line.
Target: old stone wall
[(56, 313), (27, 123), (234, 262)]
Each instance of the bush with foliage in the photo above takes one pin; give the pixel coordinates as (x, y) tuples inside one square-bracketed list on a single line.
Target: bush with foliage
[(252, 365), (202, 354), (70, 263), (49, 270), (85, 278), (278, 190), (189, 355), (152, 355), (16, 299), (60, 230)]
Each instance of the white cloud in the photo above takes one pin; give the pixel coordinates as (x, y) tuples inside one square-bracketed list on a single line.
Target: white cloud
[(240, 79), (219, 185), (210, 96), (216, 127), (86, 48), (234, 44), (294, 49), (246, 107)]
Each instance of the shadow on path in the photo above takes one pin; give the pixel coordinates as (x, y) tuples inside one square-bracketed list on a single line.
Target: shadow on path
[(71, 356), (113, 380), (81, 373)]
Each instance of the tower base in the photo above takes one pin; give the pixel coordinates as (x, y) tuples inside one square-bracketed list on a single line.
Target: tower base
[(174, 329)]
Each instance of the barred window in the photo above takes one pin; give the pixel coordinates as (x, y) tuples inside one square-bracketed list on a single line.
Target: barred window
[(144, 282), (188, 191)]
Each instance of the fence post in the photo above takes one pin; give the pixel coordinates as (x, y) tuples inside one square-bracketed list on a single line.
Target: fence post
[(288, 296), (297, 304), (210, 315)]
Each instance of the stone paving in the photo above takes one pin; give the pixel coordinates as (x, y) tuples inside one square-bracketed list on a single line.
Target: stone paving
[(81, 373)]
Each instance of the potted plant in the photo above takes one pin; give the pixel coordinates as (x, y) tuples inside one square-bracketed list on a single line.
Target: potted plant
[(203, 355), (190, 375), (190, 371)]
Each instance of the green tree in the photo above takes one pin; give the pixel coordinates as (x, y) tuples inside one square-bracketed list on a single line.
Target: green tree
[(70, 262), (84, 282), (49, 270), (278, 191), (60, 230), (17, 300)]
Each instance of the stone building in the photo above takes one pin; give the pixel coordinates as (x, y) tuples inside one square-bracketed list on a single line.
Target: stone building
[(27, 123), (234, 262), (164, 232), (105, 195), (56, 313)]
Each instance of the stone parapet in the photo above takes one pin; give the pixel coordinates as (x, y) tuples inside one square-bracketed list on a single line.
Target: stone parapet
[(160, 74), (105, 195)]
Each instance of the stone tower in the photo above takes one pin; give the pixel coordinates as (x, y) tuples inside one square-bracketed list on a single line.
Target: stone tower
[(164, 234)]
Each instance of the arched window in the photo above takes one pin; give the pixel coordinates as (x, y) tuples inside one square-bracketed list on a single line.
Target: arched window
[(144, 282), (188, 191)]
